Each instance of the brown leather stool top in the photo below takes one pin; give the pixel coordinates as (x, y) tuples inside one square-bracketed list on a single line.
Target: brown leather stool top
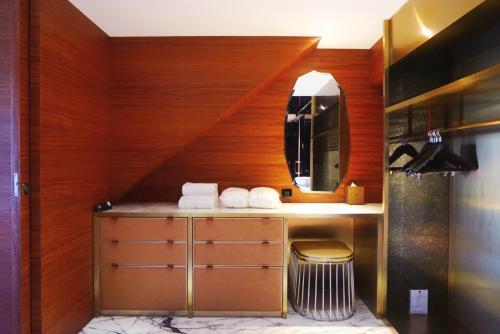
[(324, 250)]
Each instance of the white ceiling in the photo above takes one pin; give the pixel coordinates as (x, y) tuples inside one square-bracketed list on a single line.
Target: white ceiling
[(340, 23)]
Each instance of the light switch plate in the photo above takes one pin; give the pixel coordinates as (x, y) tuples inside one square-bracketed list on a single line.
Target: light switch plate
[(419, 301)]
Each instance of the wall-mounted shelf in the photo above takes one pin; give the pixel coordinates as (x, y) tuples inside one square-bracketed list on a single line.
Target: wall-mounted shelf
[(484, 80)]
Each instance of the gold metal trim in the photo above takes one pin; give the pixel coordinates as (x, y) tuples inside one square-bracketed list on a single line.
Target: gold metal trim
[(383, 222), (246, 215), (381, 303), (472, 126), (451, 88), (118, 265), (311, 142), (237, 313), (238, 266), (284, 307), (143, 241), (143, 313), (238, 242), (417, 21), (190, 235), (97, 296)]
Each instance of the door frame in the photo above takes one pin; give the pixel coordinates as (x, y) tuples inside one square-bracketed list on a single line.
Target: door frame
[(10, 245)]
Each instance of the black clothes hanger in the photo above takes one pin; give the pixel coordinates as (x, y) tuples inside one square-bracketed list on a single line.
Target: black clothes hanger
[(428, 152), (405, 149), (447, 161), (437, 158)]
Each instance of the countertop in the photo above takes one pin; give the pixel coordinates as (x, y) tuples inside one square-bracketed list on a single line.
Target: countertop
[(299, 210)]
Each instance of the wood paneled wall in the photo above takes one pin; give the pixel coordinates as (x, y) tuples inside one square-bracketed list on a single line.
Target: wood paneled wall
[(167, 92), (70, 141), (377, 63), (10, 306), (170, 119), (24, 129)]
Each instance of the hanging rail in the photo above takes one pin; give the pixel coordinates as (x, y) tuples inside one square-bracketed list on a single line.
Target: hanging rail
[(422, 135)]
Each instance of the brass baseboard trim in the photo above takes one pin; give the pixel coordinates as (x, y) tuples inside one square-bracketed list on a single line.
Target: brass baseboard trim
[(142, 313), (273, 314)]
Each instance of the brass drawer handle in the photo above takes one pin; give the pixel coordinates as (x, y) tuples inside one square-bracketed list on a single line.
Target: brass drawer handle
[(170, 219), (265, 219), (265, 267), (115, 242), (210, 242), (114, 219), (170, 242), (114, 265), (210, 219), (265, 242), (210, 266), (170, 266)]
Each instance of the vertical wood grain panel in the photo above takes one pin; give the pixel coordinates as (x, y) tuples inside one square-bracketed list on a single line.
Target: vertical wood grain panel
[(69, 76), (24, 124), (151, 121), (10, 307), (377, 63)]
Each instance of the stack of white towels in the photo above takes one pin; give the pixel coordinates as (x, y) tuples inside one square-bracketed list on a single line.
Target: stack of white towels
[(206, 196), (199, 196)]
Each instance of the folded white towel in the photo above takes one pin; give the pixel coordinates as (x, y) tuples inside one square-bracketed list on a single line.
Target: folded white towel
[(197, 202), (200, 189)]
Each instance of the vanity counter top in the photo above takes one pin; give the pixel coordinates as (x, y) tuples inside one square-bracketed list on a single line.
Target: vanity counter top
[(298, 210)]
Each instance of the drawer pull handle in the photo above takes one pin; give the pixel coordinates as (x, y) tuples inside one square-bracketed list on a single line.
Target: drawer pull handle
[(170, 242), (210, 219), (266, 219), (210, 266), (210, 242), (265, 267), (170, 219), (115, 242), (114, 266), (265, 242), (170, 266), (114, 219)]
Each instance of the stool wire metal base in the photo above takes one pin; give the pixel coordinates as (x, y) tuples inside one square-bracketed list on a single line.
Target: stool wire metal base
[(335, 304)]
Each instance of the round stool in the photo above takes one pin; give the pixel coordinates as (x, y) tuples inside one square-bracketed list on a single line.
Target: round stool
[(321, 280)]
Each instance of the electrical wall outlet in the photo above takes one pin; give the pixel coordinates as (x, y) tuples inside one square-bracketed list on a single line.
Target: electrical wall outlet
[(419, 301), (286, 192)]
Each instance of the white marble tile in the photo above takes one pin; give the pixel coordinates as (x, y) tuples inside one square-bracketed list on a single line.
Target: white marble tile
[(363, 322)]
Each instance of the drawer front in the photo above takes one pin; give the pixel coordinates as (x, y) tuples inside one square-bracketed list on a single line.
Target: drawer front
[(236, 229), (239, 253), (237, 289), (142, 253), (143, 228), (136, 288)]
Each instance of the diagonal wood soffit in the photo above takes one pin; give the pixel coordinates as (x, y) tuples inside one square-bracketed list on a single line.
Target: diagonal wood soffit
[(234, 108)]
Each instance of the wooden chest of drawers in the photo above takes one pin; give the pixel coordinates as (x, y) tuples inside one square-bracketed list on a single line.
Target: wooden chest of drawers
[(141, 265), (238, 266), (207, 266)]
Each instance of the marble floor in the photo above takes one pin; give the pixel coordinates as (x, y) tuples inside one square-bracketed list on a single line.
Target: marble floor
[(363, 322)]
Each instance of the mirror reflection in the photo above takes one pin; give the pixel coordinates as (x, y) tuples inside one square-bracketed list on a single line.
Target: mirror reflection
[(316, 133)]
